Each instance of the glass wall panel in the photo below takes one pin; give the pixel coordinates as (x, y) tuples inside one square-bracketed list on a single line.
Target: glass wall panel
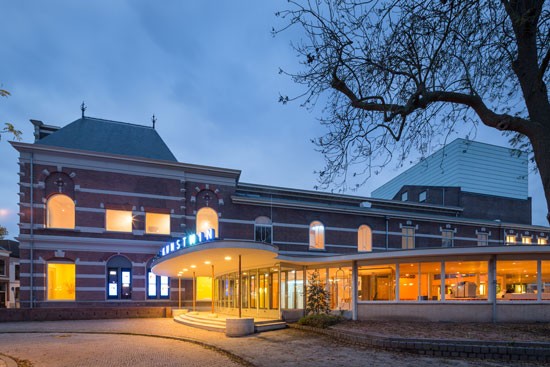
[(517, 280), (466, 280), (376, 283), (340, 288), (408, 282), (430, 281), (274, 289), (545, 279)]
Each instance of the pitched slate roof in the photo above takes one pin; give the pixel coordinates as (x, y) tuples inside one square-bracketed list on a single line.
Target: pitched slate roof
[(113, 137)]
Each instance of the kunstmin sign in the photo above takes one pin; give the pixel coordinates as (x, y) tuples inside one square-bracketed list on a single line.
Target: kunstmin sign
[(187, 241)]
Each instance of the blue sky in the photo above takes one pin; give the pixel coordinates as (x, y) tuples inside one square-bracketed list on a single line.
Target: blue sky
[(207, 70)]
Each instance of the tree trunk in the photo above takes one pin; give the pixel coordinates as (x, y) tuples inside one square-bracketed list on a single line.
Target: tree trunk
[(541, 149)]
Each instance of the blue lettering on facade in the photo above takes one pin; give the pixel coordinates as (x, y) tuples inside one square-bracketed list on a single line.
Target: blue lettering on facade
[(187, 241)]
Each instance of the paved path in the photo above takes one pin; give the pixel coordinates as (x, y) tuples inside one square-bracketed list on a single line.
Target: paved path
[(162, 342)]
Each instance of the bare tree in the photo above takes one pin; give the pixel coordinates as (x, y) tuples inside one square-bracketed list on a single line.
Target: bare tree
[(397, 73)]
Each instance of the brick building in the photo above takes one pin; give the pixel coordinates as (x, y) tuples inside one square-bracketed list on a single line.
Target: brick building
[(110, 217)]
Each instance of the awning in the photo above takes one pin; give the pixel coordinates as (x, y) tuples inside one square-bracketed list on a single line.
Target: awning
[(223, 254)]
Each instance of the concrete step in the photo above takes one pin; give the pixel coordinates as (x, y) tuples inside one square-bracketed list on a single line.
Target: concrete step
[(213, 323), (201, 322)]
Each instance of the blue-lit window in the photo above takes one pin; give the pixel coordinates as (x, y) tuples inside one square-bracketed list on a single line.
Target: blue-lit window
[(158, 287)]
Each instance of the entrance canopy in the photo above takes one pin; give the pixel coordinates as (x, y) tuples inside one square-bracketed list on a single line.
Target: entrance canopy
[(223, 255)]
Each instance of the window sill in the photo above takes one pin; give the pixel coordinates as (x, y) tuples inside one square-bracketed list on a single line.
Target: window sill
[(317, 249)]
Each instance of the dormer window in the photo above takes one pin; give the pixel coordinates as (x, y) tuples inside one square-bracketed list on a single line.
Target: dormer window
[(422, 197), (405, 196)]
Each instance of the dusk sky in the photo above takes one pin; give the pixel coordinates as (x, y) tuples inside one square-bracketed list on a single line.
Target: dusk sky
[(207, 70)]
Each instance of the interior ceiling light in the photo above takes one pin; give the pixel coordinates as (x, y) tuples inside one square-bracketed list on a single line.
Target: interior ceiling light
[(207, 262), (193, 266), (227, 258)]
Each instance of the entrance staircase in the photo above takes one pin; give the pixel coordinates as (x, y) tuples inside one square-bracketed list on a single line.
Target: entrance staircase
[(216, 322)]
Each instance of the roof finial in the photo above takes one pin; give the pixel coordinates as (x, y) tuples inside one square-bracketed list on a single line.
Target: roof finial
[(154, 119), (83, 108)]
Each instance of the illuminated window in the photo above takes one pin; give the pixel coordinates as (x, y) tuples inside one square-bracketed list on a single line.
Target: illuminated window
[(526, 240), (517, 280), (364, 238), (376, 283), (510, 239), (447, 237), (263, 230), (157, 223), (407, 237), (482, 239), (119, 278), (60, 212), (466, 280), (542, 241), (317, 236), (157, 286), (207, 218), (422, 197), (408, 282), (118, 220), (204, 289), (61, 282)]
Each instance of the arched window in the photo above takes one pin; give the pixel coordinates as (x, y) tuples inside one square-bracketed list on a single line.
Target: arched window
[(207, 218), (119, 278), (317, 235), (263, 230), (60, 210), (364, 238)]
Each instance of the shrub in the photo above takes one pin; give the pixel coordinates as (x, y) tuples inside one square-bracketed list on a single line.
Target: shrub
[(321, 320)]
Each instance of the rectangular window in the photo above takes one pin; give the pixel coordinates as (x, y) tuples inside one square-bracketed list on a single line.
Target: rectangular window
[(2, 267), (542, 241), (516, 280), (408, 282), (407, 238), (447, 238), (262, 233), (405, 196), (118, 220), (112, 280), (376, 283), (151, 285), (526, 240), (17, 269), (156, 223), (430, 281), (164, 287), (61, 282), (422, 197), (482, 239), (466, 280), (510, 239)]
